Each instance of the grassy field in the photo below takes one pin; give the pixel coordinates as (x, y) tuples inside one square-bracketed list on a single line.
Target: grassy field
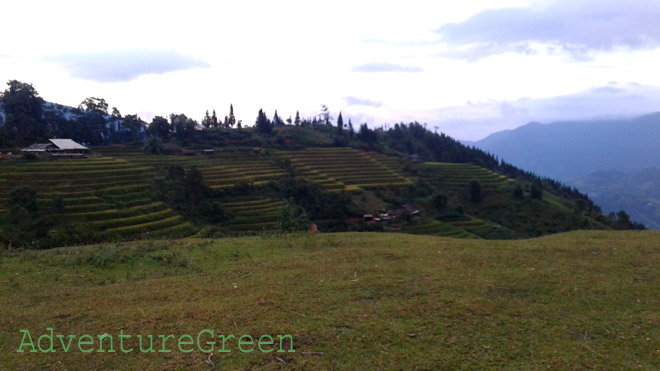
[(577, 300)]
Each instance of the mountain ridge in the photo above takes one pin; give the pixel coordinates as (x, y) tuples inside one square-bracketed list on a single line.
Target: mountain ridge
[(549, 150), (578, 153)]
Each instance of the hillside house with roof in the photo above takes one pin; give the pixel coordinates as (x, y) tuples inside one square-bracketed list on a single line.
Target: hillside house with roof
[(66, 148)]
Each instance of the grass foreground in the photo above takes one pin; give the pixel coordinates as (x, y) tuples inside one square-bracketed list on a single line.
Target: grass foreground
[(349, 301)]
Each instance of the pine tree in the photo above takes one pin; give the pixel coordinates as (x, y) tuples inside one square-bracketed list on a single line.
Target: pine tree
[(232, 118), (340, 124), (262, 124), (214, 120), (351, 131), (206, 121), (297, 120), (277, 121)]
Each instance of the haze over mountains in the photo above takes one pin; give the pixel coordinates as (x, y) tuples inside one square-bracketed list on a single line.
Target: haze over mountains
[(615, 161)]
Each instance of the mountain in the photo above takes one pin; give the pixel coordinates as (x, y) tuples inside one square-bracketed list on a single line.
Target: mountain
[(570, 150), (612, 160), (638, 193)]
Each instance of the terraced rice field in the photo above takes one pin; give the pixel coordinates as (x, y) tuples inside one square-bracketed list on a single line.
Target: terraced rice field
[(343, 168), (223, 169), (110, 195), (458, 176), (391, 162), (252, 216)]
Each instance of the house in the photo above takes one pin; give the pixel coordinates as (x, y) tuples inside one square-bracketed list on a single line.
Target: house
[(58, 148), (171, 149), (409, 209)]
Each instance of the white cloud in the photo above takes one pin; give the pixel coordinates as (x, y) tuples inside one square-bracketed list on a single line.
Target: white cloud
[(124, 65), (353, 101), (574, 27), (472, 120), (386, 67)]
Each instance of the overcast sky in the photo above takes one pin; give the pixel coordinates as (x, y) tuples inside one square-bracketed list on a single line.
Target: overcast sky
[(470, 68)]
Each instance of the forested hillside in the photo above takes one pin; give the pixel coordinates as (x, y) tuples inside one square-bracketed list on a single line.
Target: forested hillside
[(275, 176)]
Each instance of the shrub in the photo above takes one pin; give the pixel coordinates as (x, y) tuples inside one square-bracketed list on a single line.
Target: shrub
[(475, 191), (536, 193), (518, 192)]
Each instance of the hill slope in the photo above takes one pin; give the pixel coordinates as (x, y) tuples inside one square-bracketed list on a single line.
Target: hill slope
[(130, 195), (572, 151), (580, 300)]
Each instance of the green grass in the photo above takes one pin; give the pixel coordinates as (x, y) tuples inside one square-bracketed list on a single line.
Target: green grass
[(581, 300)]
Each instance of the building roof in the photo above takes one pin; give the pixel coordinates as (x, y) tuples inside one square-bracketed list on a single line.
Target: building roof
[(410, 209), (66, 144), (171, 147)]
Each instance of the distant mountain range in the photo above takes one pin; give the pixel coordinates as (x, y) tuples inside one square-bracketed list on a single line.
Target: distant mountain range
[(615, 161), (637, 193)]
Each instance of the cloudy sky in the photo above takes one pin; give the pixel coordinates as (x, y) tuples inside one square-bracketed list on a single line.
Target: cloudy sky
[(468, 69)]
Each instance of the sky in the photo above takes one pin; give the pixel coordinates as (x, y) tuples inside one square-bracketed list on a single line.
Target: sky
[(467, 68)]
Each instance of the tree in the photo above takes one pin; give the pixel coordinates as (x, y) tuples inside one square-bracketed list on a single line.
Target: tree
[(231, 120), (580, 206), (367, 135), (22, 98), (24, 110), (176, 173), (24, 197), (517, 192), (536, 192), (206, 121), (340, 124), (160, 128), (475, 191), (214, 120), (277, 121), (292, 218), (182, 126), (93, 104), (93, 126), (154, 146), (440, 202), (623, 220), (262, 124), (351, 131), (297, 119), (325, 115), (134, 128), (116, 115)]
